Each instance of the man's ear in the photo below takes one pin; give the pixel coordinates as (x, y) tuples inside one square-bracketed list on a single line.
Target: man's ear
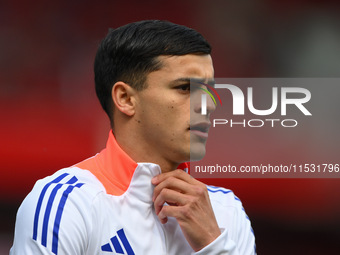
[(123, 96)]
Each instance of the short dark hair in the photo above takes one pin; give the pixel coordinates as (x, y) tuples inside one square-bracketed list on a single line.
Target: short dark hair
[(129, 53)]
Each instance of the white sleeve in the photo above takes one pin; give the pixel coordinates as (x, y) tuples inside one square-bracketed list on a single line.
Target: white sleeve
[(241, 244), (222, 245), (246, 238), (52, 219)]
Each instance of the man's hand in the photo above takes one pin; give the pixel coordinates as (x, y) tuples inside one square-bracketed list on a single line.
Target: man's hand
[(188, 201)]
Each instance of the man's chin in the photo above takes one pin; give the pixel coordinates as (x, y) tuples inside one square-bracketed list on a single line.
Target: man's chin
[(197, 153)]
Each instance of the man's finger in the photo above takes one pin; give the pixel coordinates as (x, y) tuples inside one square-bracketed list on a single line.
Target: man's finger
[(171, 197), (169, 211), (171, 183), (178, 173)]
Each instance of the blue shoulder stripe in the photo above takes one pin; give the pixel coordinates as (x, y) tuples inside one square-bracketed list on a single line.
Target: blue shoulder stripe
[(58, 215), (47, 214), (217, 189)]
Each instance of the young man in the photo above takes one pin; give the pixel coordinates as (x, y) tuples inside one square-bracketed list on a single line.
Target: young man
[(112, 204)]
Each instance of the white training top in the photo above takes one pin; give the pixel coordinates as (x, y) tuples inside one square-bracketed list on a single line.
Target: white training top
[(103, 205)]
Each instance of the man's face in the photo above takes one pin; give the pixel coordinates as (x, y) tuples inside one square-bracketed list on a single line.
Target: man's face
[(170, 127)]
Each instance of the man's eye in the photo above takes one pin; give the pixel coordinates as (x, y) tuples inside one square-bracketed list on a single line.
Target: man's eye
[(185, 87)]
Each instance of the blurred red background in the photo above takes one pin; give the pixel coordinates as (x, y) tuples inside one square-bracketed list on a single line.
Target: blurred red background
[(50, 117)]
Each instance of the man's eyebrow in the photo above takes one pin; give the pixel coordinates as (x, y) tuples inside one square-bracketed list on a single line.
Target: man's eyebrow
[(210, 82), (194, 80)]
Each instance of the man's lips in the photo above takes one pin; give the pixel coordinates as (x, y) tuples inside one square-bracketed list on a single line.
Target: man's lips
[(200, 129)]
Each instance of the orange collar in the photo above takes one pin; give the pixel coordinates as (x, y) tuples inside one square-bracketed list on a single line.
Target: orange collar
[(113, 167)]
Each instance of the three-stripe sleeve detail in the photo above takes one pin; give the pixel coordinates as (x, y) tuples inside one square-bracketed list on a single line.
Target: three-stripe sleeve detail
[(43, 211)]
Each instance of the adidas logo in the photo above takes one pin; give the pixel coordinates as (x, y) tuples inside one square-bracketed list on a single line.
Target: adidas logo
[(117, 242)]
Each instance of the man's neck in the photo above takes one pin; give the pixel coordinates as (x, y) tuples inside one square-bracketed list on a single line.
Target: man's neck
[(139, 152)]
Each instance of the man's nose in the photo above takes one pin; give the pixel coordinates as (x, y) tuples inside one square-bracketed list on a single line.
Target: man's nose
[(205, 105), (211, 105)]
